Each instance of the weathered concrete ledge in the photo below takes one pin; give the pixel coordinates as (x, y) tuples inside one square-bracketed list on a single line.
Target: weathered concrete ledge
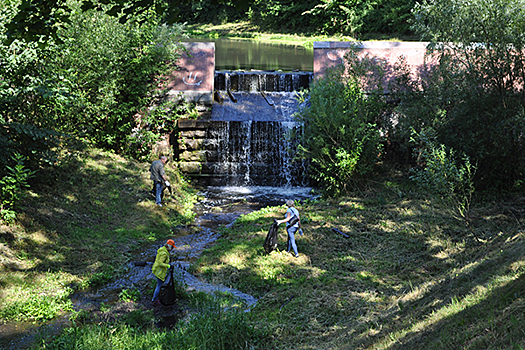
[(328, 54)]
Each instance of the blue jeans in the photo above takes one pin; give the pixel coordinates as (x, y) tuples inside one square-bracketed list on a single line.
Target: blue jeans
[(291, 238), (157, 289), (158, 192)]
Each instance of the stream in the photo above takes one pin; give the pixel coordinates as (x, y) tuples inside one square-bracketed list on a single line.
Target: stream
[(221, 206)]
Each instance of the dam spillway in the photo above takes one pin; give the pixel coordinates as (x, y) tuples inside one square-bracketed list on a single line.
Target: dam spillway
[(250, 136)]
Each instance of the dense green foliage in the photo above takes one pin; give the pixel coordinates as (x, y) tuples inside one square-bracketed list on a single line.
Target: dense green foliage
[(40, 20), (344, 17), (475, 98), (96, 82), (470, 98), (340, 135)]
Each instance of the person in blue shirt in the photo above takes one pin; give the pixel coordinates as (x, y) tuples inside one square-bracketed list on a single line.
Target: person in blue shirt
[(292, 220)]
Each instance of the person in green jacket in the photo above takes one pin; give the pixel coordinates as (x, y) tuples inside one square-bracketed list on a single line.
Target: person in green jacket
[(161, 266)]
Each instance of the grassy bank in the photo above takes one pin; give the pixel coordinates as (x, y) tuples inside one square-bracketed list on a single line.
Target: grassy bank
[(408, 276), (246, 30), (78, 227)]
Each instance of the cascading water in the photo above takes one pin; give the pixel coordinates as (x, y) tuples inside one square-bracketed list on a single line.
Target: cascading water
[(251, 136), (258, 153)]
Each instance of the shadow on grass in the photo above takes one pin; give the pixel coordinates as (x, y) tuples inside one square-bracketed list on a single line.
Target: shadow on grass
[(404, 265), (95, 211)]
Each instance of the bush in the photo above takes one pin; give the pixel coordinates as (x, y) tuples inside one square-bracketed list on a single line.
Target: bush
[(475, 94), (341, 136), (12, 188), (95, 83), (447, 179)]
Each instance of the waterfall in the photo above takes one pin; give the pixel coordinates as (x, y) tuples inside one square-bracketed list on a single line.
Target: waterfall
[(257, 153), (262, 81), (251, 136)]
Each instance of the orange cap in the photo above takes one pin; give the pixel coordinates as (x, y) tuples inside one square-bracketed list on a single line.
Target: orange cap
[(171, 242)]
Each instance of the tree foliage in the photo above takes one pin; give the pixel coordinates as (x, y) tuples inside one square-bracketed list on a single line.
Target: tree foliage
[(41, 20), (476, 94), (331, 17), (93, 84), (341, 136)]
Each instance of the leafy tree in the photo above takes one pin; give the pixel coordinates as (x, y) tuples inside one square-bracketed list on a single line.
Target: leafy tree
[(476, 93), (94, 83), (341, 136), (41, 20)]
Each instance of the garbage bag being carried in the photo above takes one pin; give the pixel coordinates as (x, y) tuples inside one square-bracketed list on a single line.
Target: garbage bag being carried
[(167, 295), (270, 243)]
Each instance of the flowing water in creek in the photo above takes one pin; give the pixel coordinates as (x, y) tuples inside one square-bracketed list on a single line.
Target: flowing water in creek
[(221, 207)]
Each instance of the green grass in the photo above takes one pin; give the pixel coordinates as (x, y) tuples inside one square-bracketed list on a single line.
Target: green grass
[(77, 229), (246, 30), (409, 277)]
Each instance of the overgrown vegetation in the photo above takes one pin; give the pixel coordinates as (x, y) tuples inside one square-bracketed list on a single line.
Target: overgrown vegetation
[(95, 84), (98, 82), (408, 277), (461, 106), (340, 135), (359, 19), (474, 97), (212, 328)]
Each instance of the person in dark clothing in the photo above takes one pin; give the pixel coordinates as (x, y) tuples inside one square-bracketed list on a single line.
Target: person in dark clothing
[(158, 176)]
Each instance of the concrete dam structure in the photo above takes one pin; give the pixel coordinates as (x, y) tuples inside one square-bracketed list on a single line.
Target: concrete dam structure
[(250, 136)]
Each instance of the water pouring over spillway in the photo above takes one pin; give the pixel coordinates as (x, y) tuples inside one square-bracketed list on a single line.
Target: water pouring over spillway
[(251, 134), (248, 138)]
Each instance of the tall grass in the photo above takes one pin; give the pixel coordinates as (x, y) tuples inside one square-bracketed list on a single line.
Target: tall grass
[(212, 328)]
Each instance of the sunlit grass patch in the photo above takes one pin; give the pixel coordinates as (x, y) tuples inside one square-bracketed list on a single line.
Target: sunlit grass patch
[(79, 231), (405, 270), (37, 296)]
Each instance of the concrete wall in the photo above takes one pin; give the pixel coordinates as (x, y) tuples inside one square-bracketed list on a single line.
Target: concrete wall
[(195, 77), (331, 54)]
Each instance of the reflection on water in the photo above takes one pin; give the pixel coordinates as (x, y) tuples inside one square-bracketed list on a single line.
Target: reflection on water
[(244, 54)]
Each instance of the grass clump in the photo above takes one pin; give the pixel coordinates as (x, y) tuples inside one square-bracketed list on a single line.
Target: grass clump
[(212, 328)]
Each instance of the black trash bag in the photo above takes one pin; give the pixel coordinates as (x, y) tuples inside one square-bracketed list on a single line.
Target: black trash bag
[(270, 243), (167, 295)]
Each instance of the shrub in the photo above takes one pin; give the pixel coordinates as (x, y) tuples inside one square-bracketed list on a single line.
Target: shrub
[(12, 188), (476, 91), (446, 178), (37, 307), (341, 136)]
